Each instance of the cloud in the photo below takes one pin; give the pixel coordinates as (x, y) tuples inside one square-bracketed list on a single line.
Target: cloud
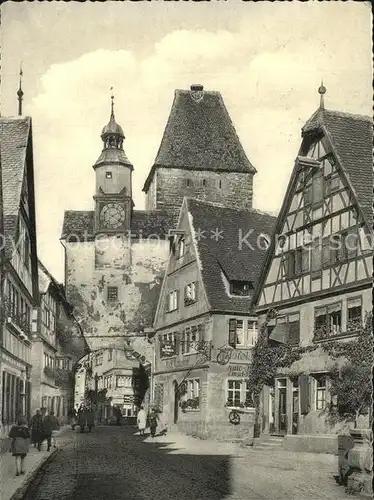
[(267, 73)]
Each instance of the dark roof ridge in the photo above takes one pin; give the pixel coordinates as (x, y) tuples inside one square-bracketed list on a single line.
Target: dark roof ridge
[(345, 114), (221, 205)]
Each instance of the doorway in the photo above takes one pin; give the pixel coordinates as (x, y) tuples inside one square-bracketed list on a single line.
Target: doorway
[(176, 400), (282, 408)]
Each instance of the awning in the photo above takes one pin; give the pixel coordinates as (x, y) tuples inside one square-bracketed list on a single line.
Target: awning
[(280, 333)]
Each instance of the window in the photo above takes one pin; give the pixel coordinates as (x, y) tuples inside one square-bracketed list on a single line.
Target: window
[(354, 316), (239, 394), (204, 183), (190, 336), (27, 250), (112, 293), (108, 175), (191, 398), (241, 288), (110, 354), (181, 248), (251, 332), (332, 183), (188, 182), (320, 392), (328, 320), (99, 359), (242, 332), (234, 393), (220, 184), (120, 381), (190, 293), (173, 300)]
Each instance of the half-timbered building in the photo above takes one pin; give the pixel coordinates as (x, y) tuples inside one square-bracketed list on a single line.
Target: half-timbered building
[(317, 276), (20, 275)]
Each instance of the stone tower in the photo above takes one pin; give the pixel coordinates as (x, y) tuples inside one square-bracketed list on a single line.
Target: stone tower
[(200, 156)]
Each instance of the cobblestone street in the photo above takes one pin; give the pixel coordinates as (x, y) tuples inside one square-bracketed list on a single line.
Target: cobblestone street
[(112, 463)]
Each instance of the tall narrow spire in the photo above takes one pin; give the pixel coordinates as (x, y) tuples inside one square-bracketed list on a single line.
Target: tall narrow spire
[(112, 103), (20, 91), (322, 92)]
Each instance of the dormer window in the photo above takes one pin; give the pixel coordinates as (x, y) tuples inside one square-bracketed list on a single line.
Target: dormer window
[(108, 175), (241, 288)]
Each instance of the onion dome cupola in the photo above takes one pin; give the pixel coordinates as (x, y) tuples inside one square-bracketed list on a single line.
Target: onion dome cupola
[(112, 136)]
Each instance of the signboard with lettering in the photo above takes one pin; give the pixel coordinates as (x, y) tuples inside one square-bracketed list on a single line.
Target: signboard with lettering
[(167, 349), (238, 370)]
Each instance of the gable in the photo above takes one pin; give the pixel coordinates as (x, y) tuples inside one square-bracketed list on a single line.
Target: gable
[(183, 267), (320, 212)]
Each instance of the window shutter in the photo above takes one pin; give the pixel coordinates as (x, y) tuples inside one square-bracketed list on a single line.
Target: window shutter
[(232, 332), (304, 394), (177, 298), (176, 343), (294, 332)]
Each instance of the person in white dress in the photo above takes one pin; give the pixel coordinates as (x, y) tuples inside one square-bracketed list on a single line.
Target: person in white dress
[(141, 420)]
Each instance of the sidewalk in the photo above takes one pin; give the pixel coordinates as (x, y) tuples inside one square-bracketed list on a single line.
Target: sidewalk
[(9, 482)]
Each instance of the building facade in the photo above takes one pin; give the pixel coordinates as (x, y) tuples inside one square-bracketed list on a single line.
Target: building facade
[(205, 328), (318, 274), (58, 344), (20, 296)]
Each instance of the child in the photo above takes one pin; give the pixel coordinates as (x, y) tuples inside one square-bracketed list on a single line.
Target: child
[(19, 447)]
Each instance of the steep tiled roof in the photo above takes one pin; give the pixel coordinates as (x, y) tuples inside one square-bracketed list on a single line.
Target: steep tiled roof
[(228, 243), (199, 135), (352, 138), (14, 135), (81, 224)]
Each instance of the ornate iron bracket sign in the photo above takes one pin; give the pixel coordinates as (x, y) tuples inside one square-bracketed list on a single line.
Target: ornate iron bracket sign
[(204, 350)]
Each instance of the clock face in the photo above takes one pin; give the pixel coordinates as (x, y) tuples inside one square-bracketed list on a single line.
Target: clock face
[(112, 215)]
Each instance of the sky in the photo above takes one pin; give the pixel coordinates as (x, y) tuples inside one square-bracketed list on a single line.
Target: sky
[(266, 58)]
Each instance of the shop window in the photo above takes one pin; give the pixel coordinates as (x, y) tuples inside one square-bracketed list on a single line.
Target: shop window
[(190, 400)]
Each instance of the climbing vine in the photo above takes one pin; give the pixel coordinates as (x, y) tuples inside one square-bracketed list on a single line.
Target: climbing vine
[(351, 383)]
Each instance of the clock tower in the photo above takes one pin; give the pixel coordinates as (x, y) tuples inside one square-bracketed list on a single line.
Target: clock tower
[(113, 197)]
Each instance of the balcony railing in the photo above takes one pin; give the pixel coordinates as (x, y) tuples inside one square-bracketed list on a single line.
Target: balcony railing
[(354, 326), (18, 320)]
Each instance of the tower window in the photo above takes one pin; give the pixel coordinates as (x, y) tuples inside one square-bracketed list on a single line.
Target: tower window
[(108, 175), (220, 184), (204, 182), (112, 293)]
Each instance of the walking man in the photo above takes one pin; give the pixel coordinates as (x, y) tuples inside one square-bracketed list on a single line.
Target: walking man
[(50, 424)]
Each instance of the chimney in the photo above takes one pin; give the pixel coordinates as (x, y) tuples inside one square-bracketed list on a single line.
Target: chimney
[(197, 92)]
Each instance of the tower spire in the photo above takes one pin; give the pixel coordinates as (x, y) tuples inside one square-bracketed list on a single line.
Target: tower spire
[(322, 92), (112, 103), (20, 91)]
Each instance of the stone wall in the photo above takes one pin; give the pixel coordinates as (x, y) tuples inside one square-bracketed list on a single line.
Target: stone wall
[(136, 268), (169, 186)]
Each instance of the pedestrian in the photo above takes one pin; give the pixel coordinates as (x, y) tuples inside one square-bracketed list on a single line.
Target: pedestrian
[(72, 415), (90, 418), (50, 424), (19, 447), (81, 418), (153, 421), (141, 420), (37, 430)]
